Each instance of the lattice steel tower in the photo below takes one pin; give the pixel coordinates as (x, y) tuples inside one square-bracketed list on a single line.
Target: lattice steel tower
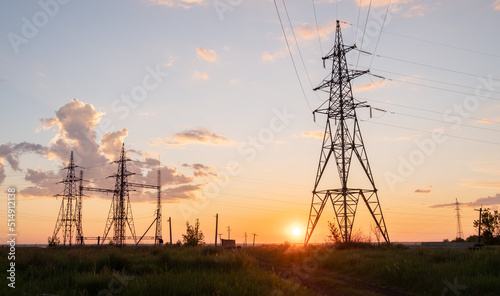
[(340, 109), (120, 212), (460, 233), (70, 217)]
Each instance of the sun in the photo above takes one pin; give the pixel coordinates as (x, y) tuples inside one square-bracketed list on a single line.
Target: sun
[(296, 231)]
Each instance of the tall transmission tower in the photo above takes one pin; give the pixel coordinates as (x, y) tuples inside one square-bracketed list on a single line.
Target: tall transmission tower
[(460, 233), (120, 212), (340, 109), (69, 219)]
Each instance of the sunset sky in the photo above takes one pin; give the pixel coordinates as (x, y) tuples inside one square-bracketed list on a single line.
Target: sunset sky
[(208, 88)]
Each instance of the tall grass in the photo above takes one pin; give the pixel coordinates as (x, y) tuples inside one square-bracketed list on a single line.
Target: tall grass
[(141, 271), (420, 271)]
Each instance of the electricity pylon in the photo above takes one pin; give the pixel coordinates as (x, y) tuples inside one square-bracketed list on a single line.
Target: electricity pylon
[(120, 212), (460, 233), (340, 109), (70, 218)]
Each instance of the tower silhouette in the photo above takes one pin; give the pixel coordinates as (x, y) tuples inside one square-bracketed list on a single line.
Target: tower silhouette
[(70, 217), (344, 145), (460, 234), (120, 212)]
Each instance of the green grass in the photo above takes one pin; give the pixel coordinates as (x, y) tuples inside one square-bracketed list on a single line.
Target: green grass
[(420, 271), (142, 271), (110, 270)]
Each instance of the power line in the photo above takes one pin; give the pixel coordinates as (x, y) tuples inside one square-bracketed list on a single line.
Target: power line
[(443, 121), (291, 56), (445, 45), (429, 132), (297, 45), (432, 80), (380, 34), (425, 110), (436, 67), (364, 30), (317, 28)]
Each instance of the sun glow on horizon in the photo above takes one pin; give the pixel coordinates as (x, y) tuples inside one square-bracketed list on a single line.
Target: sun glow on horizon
[(296, 231)]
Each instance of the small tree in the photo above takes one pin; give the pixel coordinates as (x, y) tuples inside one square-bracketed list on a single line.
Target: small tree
[(53, 241), (194, 236), (334, 233), (490, 225)]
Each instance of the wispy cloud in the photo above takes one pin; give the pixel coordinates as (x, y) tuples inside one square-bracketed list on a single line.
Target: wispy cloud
[(483, 201), (496, 5), (200, 75), (488, 120), (201, 170), (177, 3), (308, 31), (423, 190), (206, 54), (313, 134), (195, 136), (271, 57), (368, 86)]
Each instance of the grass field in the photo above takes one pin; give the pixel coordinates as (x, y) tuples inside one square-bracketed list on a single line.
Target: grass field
[(420, 271), (251, 271), (141, 271)]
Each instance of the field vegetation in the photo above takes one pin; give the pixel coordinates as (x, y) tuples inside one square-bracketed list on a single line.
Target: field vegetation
[(358, 269)]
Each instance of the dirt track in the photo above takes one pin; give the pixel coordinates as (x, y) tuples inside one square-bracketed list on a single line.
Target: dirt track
[(326, 282)]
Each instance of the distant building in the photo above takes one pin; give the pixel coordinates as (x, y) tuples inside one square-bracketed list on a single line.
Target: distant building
[(228, 243)]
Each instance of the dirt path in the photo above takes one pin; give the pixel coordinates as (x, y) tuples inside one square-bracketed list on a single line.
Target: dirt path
[(326, 282)]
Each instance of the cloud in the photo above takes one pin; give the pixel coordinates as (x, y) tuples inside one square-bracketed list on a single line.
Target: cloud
[(11, 152), (200, 75), (496, 5), (268, 57), (201, 170), (234, 81), (422, 191), (207, 55), (483, 201), (196, 136), (313, 134), (177, 3), (417, 11), (74, 125), (170, 62), (403, 138), (2, 171), (182, 192), (368, 86), (426, 190), (111, 143), (308, 31), (489, 121), (374, 3)]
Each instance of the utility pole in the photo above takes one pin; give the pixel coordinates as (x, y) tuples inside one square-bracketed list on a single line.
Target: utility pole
[(245, 244), (460, 233), (253, 244), (216, 225), (480, 217), (228, 232), (342, 141), (170, 228)]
